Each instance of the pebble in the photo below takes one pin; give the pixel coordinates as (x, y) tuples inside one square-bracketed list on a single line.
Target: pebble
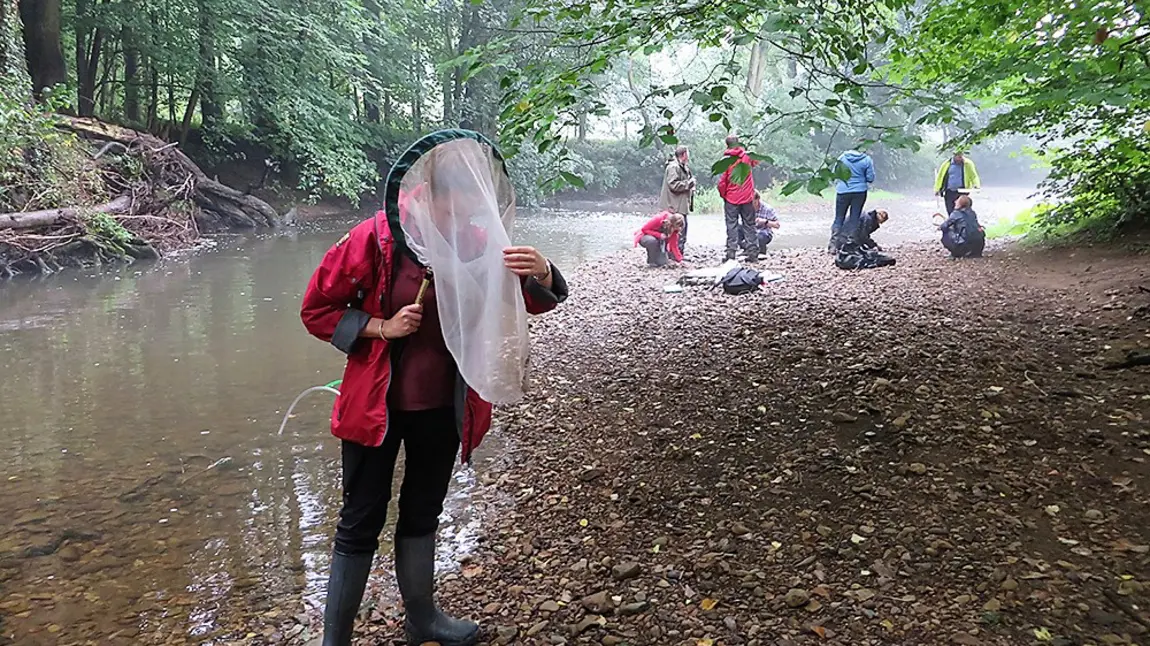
[(625, 571), (796, 598)]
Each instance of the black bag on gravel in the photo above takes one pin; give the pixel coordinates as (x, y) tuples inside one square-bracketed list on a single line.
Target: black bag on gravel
[(740, 280), (855, 256)]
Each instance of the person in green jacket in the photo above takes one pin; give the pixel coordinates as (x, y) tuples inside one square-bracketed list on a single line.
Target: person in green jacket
[(956, 175)]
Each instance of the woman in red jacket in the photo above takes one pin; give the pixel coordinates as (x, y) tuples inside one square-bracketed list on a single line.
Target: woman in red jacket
[(402, 386), (660, 237)]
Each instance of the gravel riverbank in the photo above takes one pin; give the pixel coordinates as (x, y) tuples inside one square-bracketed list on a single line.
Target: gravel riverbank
[(934, 453)]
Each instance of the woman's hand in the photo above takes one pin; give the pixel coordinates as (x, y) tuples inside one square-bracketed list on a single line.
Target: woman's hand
[(406, 321), (528, 262), (525, 261)]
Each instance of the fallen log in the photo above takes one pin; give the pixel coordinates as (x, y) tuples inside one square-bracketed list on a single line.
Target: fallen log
[(226, 207), (50, 217)]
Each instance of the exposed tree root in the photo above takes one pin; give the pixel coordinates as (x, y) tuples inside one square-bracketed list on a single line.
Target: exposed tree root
[(164, 203)]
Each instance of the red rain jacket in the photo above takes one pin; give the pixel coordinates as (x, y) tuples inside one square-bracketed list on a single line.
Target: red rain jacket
[(654, 228), (348, 277), (737, 193)]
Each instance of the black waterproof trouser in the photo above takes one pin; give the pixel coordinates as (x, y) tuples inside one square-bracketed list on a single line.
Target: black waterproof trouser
[(430, 445), (971, 248)]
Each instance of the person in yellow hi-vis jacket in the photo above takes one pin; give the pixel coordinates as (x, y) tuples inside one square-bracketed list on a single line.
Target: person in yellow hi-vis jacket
[(957, 175)]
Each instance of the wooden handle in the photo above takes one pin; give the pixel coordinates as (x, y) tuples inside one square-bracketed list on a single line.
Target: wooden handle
[(422, 290)]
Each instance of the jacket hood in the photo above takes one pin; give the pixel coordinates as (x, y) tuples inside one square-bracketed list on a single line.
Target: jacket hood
[(737, 151), (853, 156)]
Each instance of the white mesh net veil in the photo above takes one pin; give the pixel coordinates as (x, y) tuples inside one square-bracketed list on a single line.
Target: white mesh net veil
[(456, 214)]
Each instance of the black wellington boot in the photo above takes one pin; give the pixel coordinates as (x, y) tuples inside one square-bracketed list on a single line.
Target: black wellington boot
[(415, 572), (345, 586)]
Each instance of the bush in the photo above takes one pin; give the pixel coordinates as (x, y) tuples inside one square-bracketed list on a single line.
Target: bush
[(1100, 187)]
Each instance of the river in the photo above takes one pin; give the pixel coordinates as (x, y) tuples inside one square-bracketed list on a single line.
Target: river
[(147, 496)]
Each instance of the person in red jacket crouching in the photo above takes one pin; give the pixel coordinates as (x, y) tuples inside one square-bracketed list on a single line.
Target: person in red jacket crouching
[(373, 300), (660, 237)]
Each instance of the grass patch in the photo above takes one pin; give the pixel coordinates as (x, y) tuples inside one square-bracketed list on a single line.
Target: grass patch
[(707, 200), (1019, 225), (1031, 227)]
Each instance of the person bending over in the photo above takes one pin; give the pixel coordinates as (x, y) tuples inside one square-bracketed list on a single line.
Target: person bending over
[(867, 224), (660, 237)]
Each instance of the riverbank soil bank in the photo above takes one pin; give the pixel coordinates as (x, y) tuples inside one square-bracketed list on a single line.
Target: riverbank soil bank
[(139, 197), (943, 452)]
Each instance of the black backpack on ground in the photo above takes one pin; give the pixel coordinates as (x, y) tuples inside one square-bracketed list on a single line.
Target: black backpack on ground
[(854, 256), (740, 280)]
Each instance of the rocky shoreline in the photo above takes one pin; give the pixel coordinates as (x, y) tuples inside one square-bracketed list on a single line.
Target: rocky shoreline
[(846, 458)]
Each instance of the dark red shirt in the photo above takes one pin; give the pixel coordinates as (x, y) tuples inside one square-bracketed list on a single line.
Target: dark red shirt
[(424, 370)]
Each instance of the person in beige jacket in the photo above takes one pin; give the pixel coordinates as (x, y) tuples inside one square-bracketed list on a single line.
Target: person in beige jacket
[(678, 195)]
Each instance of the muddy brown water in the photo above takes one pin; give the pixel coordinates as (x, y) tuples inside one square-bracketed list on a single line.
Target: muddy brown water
[(146, 495)]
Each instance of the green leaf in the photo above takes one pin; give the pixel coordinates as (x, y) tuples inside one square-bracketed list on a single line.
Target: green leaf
[(740, 172), (572, 179), (721, 166), (701, 99), (669, 139), (763, 159), (792, 187)]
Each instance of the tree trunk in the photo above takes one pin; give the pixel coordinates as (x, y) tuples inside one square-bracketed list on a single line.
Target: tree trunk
[(50, 217), (189, 112), (42, 47), (14, 83), (211, 110), (755, 68), (131, 82), (447, 82), (371, 107), (87, 58), (106, 88), (153, 95), (87, 65), (386, 108), (81, 30)]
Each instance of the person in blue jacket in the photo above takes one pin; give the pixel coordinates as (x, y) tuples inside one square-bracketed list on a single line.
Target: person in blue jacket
[(851, 193)]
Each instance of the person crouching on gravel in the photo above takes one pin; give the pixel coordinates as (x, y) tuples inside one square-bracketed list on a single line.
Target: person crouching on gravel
[(766, 221), (962, 235), (660, 237)]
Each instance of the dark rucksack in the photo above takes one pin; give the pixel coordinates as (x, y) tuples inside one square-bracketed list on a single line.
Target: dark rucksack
[(741, 280), (853, 256)]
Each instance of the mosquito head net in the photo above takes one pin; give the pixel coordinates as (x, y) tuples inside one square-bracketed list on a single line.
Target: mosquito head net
[(451, 206)]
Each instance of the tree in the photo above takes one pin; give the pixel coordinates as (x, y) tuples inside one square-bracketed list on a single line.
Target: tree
[(1074, 75), (44, 53)]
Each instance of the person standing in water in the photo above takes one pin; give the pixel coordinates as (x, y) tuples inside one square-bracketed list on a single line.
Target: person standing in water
[(373, 301), (851, 193), (678, 194), (955, 176)]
